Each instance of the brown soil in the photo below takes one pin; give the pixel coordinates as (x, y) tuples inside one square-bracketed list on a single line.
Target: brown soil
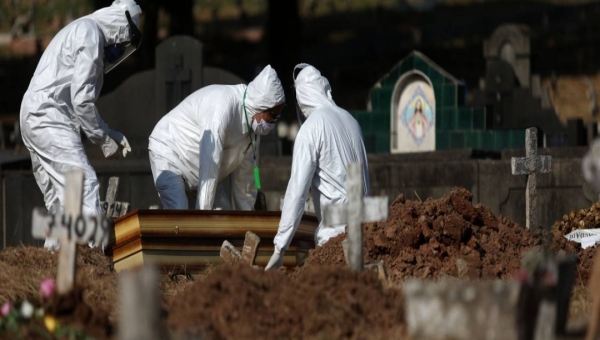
[(321, 299), (427, 239), (325, 303), (583, 219)]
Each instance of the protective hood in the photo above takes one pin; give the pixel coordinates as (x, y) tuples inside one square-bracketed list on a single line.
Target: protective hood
[(312, 89), (113, 22), (119, 24), (264, 92)]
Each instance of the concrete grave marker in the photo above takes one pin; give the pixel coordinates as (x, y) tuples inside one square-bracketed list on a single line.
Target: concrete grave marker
[(467, 310), (110, 207), (230, 255), (358, 210), (70, 228), (530, 166)]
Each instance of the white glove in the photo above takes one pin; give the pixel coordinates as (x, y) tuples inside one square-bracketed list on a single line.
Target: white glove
[(109, 147), (276, 260), (120, 138)]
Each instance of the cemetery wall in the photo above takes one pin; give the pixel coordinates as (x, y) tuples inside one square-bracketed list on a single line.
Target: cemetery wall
[(414, 175)]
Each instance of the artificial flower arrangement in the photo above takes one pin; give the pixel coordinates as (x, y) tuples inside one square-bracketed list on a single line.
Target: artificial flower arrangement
[(23, 319)]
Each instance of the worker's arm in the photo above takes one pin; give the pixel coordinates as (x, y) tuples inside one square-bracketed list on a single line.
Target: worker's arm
[(243, 186), (87, 80), (211, 153), (304, 163)]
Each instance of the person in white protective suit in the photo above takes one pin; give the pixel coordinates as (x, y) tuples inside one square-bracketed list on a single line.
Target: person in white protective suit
[(327, 142), (210, 142), (60, 101)]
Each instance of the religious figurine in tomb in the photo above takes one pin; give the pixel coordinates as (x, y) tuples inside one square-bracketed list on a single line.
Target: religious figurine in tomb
[(328, 141), (210, 142), (60, 101), (418, 123)]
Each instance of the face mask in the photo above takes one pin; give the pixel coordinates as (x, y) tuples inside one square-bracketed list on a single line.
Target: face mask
[(263, 128)]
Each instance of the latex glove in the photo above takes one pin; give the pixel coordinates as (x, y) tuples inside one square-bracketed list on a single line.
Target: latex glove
[(120, 138), (276, 260), (109, 147)]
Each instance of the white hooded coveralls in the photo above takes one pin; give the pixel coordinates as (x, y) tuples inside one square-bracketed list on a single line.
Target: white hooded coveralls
[(328, 141), (60, 102), (204, 143)]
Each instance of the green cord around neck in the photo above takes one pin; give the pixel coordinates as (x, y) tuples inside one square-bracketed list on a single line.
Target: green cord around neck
[(256, 171)]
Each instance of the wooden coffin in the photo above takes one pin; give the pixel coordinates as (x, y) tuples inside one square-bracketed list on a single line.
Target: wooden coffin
[(187, 240)]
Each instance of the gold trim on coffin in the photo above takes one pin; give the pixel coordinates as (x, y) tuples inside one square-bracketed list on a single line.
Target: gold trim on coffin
[(190, 239)]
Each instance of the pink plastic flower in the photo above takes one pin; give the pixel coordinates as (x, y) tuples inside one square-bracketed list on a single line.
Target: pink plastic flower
[(47, 287), (6, 307)]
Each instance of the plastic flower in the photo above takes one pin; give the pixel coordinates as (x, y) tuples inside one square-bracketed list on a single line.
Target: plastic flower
[(6, 307), (26, 309), (47, 287), (50, 323)]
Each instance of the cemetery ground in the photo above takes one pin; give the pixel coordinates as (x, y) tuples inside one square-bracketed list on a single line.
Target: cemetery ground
[(442, 238)]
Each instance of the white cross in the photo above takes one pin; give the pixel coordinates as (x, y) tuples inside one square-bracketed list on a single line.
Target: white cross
[(70, 228), (530, 166), (359, 209)]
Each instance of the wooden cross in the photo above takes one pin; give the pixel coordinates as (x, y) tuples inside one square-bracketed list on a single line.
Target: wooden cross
[(359, 209), (110, 207), (70, 228), (530, 166), (230, 255), (139, 299)]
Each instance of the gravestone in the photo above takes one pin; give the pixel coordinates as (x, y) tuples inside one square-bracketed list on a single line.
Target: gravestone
[(178, 71), (511, 44), (512, 95)]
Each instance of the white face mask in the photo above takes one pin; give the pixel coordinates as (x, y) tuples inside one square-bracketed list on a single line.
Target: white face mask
[(263, 128)]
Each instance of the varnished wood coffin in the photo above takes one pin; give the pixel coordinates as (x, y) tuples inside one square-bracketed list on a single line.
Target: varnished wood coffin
[(187, 240)]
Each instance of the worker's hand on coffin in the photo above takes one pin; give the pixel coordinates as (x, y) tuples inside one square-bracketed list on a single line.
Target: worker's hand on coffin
[(276, 260), (121, 140)]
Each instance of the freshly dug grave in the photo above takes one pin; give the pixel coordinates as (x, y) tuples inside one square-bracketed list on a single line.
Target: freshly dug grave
[(322, 299), (239, 302), (445, 236)]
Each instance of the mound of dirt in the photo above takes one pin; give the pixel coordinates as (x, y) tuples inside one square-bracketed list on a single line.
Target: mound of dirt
[(446, 236), (240, 302), (583, 219)]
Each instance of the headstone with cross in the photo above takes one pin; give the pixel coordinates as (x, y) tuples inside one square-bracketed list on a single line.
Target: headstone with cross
[(179, 71), (230, 255), (357, 210), (531, 165), (110, 207), (70, 227)]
